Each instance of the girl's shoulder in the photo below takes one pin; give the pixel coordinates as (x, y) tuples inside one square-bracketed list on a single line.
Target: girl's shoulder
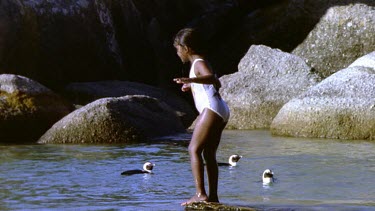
[(202, 67), (198, 60)]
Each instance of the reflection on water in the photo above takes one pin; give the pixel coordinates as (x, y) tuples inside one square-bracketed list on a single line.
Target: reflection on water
[(312, 174)]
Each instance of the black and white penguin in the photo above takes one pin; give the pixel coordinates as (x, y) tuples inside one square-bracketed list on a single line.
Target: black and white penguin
[(147, 169), (267, 177), (232, 161)]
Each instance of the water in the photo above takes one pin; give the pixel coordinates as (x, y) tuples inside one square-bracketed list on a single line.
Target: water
[(311, 174)]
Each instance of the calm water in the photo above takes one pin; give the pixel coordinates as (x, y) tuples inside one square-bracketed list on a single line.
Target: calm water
[(312, 174)]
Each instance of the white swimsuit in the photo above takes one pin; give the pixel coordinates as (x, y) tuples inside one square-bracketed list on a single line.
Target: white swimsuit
[(206, 96)]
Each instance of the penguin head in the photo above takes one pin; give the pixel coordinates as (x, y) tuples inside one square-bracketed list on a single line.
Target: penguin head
[(233, 159), (267, 176), (148, 166)]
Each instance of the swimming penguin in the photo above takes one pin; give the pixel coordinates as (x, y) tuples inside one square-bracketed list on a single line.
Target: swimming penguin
[(232, 161), (147, 169), (267, 177)]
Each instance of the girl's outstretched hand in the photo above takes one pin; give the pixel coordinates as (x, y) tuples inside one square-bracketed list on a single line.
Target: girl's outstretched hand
[(186, 83), (182, 80)]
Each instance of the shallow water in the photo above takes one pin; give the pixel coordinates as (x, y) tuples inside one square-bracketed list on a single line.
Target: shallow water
[(311, 174)]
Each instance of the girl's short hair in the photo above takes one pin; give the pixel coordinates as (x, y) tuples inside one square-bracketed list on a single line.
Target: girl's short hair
[(191, 38)]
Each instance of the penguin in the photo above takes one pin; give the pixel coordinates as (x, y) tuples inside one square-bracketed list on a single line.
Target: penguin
[(267, 177), (147, 169), (232, 161)]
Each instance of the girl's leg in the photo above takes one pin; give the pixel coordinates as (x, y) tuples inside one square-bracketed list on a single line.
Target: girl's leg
[(201, 136), (209, 154)]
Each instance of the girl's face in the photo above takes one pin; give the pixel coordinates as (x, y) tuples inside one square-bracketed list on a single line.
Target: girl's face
[(182, 52)]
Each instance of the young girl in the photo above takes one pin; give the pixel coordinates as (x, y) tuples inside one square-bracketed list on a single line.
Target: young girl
[(213, 114)]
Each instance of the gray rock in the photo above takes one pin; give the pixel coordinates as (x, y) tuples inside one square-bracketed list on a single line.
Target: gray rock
[(280, 24), (85, 40), (115, 120), (267, 79), (342, 107), (365, 61), (343, 34), (19, 84), (83, 93), (27, 109)]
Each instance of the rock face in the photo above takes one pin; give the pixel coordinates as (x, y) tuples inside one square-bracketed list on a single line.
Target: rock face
[(342, 106), (83, 93), (287, 24), (343, 34), (266, 80), (85, 40), (73, 38), (58, 42), (115, 120), (27, 109)]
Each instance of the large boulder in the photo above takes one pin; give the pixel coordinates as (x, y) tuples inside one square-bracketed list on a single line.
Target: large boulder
[(365, 61), (342, 106), (27, 109), (75, 39), (267, 79), (287, 24), (82, 40), (342, 35), (85, 40), (115, 120), (83, 93)]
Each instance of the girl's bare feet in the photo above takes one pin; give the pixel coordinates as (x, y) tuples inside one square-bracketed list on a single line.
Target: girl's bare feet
[(213, 199), (196, 198)]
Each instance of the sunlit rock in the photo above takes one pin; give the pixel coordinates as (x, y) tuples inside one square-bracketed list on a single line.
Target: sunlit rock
[(83, 93), (342, 106), (266, 80), (116, 120), (365, 61), (27, 109), (342, 35)]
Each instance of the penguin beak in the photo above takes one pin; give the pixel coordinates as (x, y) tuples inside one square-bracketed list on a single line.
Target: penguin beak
[(238, 158)]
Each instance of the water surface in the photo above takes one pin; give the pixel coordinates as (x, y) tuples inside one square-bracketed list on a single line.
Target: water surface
[(311, 174)]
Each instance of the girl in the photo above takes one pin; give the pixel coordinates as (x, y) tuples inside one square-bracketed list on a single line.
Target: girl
[(213, 114)]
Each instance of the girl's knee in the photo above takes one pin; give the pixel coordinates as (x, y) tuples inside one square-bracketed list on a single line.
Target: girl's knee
[(193, 149)]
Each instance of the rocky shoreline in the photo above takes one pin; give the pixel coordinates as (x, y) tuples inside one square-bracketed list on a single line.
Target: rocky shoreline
[(215, 206), (321, 87), (298, 103)]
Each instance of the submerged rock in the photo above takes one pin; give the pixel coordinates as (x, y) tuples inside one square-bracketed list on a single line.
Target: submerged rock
[(215, 206), (27, 109), (266, 80), (342, 106), (115, 120)]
